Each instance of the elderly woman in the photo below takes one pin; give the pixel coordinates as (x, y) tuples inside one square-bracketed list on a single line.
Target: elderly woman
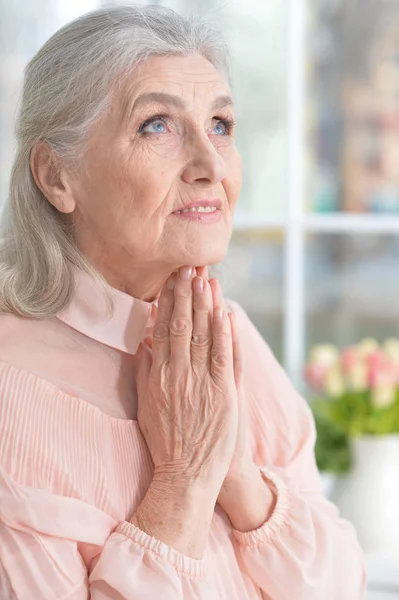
[(151, 446)]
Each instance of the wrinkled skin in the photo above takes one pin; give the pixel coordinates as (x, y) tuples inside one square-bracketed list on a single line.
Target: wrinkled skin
[(188, 408)]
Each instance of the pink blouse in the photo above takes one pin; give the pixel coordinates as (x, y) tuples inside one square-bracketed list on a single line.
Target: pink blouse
[(74, 467)]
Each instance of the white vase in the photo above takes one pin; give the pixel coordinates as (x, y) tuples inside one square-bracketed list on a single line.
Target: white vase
[(328, 482), (369, 495)]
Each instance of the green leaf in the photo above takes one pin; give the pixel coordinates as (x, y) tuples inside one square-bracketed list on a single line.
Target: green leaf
[(332, 445), (354, 413)]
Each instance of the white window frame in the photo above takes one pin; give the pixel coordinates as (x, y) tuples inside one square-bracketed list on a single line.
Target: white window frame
[(297, 223)]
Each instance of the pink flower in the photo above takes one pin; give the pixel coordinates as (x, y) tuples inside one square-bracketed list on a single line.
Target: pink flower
[(355, 369), (396, 370), (382, 372), (350, 357), (322, 358), (315, 374)]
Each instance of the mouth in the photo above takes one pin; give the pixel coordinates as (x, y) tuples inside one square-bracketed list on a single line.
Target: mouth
[(203, 214)]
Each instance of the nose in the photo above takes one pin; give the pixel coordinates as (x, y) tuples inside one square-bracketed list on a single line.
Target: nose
[(205, 165)]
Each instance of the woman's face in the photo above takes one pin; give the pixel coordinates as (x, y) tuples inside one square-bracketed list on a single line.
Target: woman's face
[(174, 146)]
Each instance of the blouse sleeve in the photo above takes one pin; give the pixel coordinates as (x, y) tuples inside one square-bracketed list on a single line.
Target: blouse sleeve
[(60, 548), (5, 585), (305, 550)]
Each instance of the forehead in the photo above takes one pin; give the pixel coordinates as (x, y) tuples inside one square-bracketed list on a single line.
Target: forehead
[(185, 75)]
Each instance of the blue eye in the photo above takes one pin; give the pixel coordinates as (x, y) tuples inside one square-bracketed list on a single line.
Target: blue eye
[(158, 126), (223, 127), (153, 125), (220, 129)]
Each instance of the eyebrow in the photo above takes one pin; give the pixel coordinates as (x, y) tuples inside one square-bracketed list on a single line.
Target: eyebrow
[(163, 98)]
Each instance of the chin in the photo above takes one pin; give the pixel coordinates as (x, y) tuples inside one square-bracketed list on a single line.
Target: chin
[(212, 255)]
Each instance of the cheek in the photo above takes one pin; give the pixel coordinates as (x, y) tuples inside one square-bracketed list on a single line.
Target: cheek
[(131, 184), (233, 180), (151, 169), (140, 187)]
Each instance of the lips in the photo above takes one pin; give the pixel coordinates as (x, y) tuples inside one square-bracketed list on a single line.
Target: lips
[(199, 217), (199, 209), (206, 203)]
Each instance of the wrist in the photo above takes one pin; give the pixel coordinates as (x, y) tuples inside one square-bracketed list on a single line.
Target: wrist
[(192, 493), (248, 501), (246, 476), (177, 515)]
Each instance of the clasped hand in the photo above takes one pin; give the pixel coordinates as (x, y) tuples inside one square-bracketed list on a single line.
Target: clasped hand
[(189, 382)]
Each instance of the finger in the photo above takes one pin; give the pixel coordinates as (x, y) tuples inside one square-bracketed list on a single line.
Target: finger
[(203, 272), (222, 347), (217, 295), (144, 363), (181, 322), (237, 355), (148, 341), (201, 339), (160, 335)]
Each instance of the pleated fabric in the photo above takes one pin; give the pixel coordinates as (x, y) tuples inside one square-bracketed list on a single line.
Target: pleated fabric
[(74, 467)]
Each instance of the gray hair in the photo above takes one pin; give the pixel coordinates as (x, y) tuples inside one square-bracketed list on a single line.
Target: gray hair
[(67, 88)]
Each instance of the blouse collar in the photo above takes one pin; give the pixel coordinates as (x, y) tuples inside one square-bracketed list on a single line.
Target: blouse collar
[(131, 322)]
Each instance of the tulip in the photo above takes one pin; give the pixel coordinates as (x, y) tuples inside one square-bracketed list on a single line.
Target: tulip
[(325, 354), (350, 357), (322, 357), (367, 346), (355, 369), (377, 358), (383, 396), (334, 384), (391, 349), (357, 377), (382, 372), (315, 375), (395, 369)]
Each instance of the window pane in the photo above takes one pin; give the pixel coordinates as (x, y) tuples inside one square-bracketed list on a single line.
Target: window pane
[(252, 274), (354, 106), (24, 27), (352, 288)]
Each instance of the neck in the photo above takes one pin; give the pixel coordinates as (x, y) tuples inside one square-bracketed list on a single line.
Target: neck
[(144, 283), (139, 284)]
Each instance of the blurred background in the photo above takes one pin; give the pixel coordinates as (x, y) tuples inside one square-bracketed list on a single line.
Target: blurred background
[(314, 256), (315, 252)]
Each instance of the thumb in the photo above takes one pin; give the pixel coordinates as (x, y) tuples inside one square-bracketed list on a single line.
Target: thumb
[(148, 341)]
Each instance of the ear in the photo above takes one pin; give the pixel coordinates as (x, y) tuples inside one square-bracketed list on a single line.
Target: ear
[(51, 178)]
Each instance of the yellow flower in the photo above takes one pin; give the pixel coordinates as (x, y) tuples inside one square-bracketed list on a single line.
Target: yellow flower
[(357, 377), (334, 384), (324, 354), (391, 349), (367, 346), (383, 397)]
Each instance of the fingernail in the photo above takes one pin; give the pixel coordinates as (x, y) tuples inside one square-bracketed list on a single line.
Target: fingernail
[(218, 313), (186, 273), (171, 282), (198, 285)]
